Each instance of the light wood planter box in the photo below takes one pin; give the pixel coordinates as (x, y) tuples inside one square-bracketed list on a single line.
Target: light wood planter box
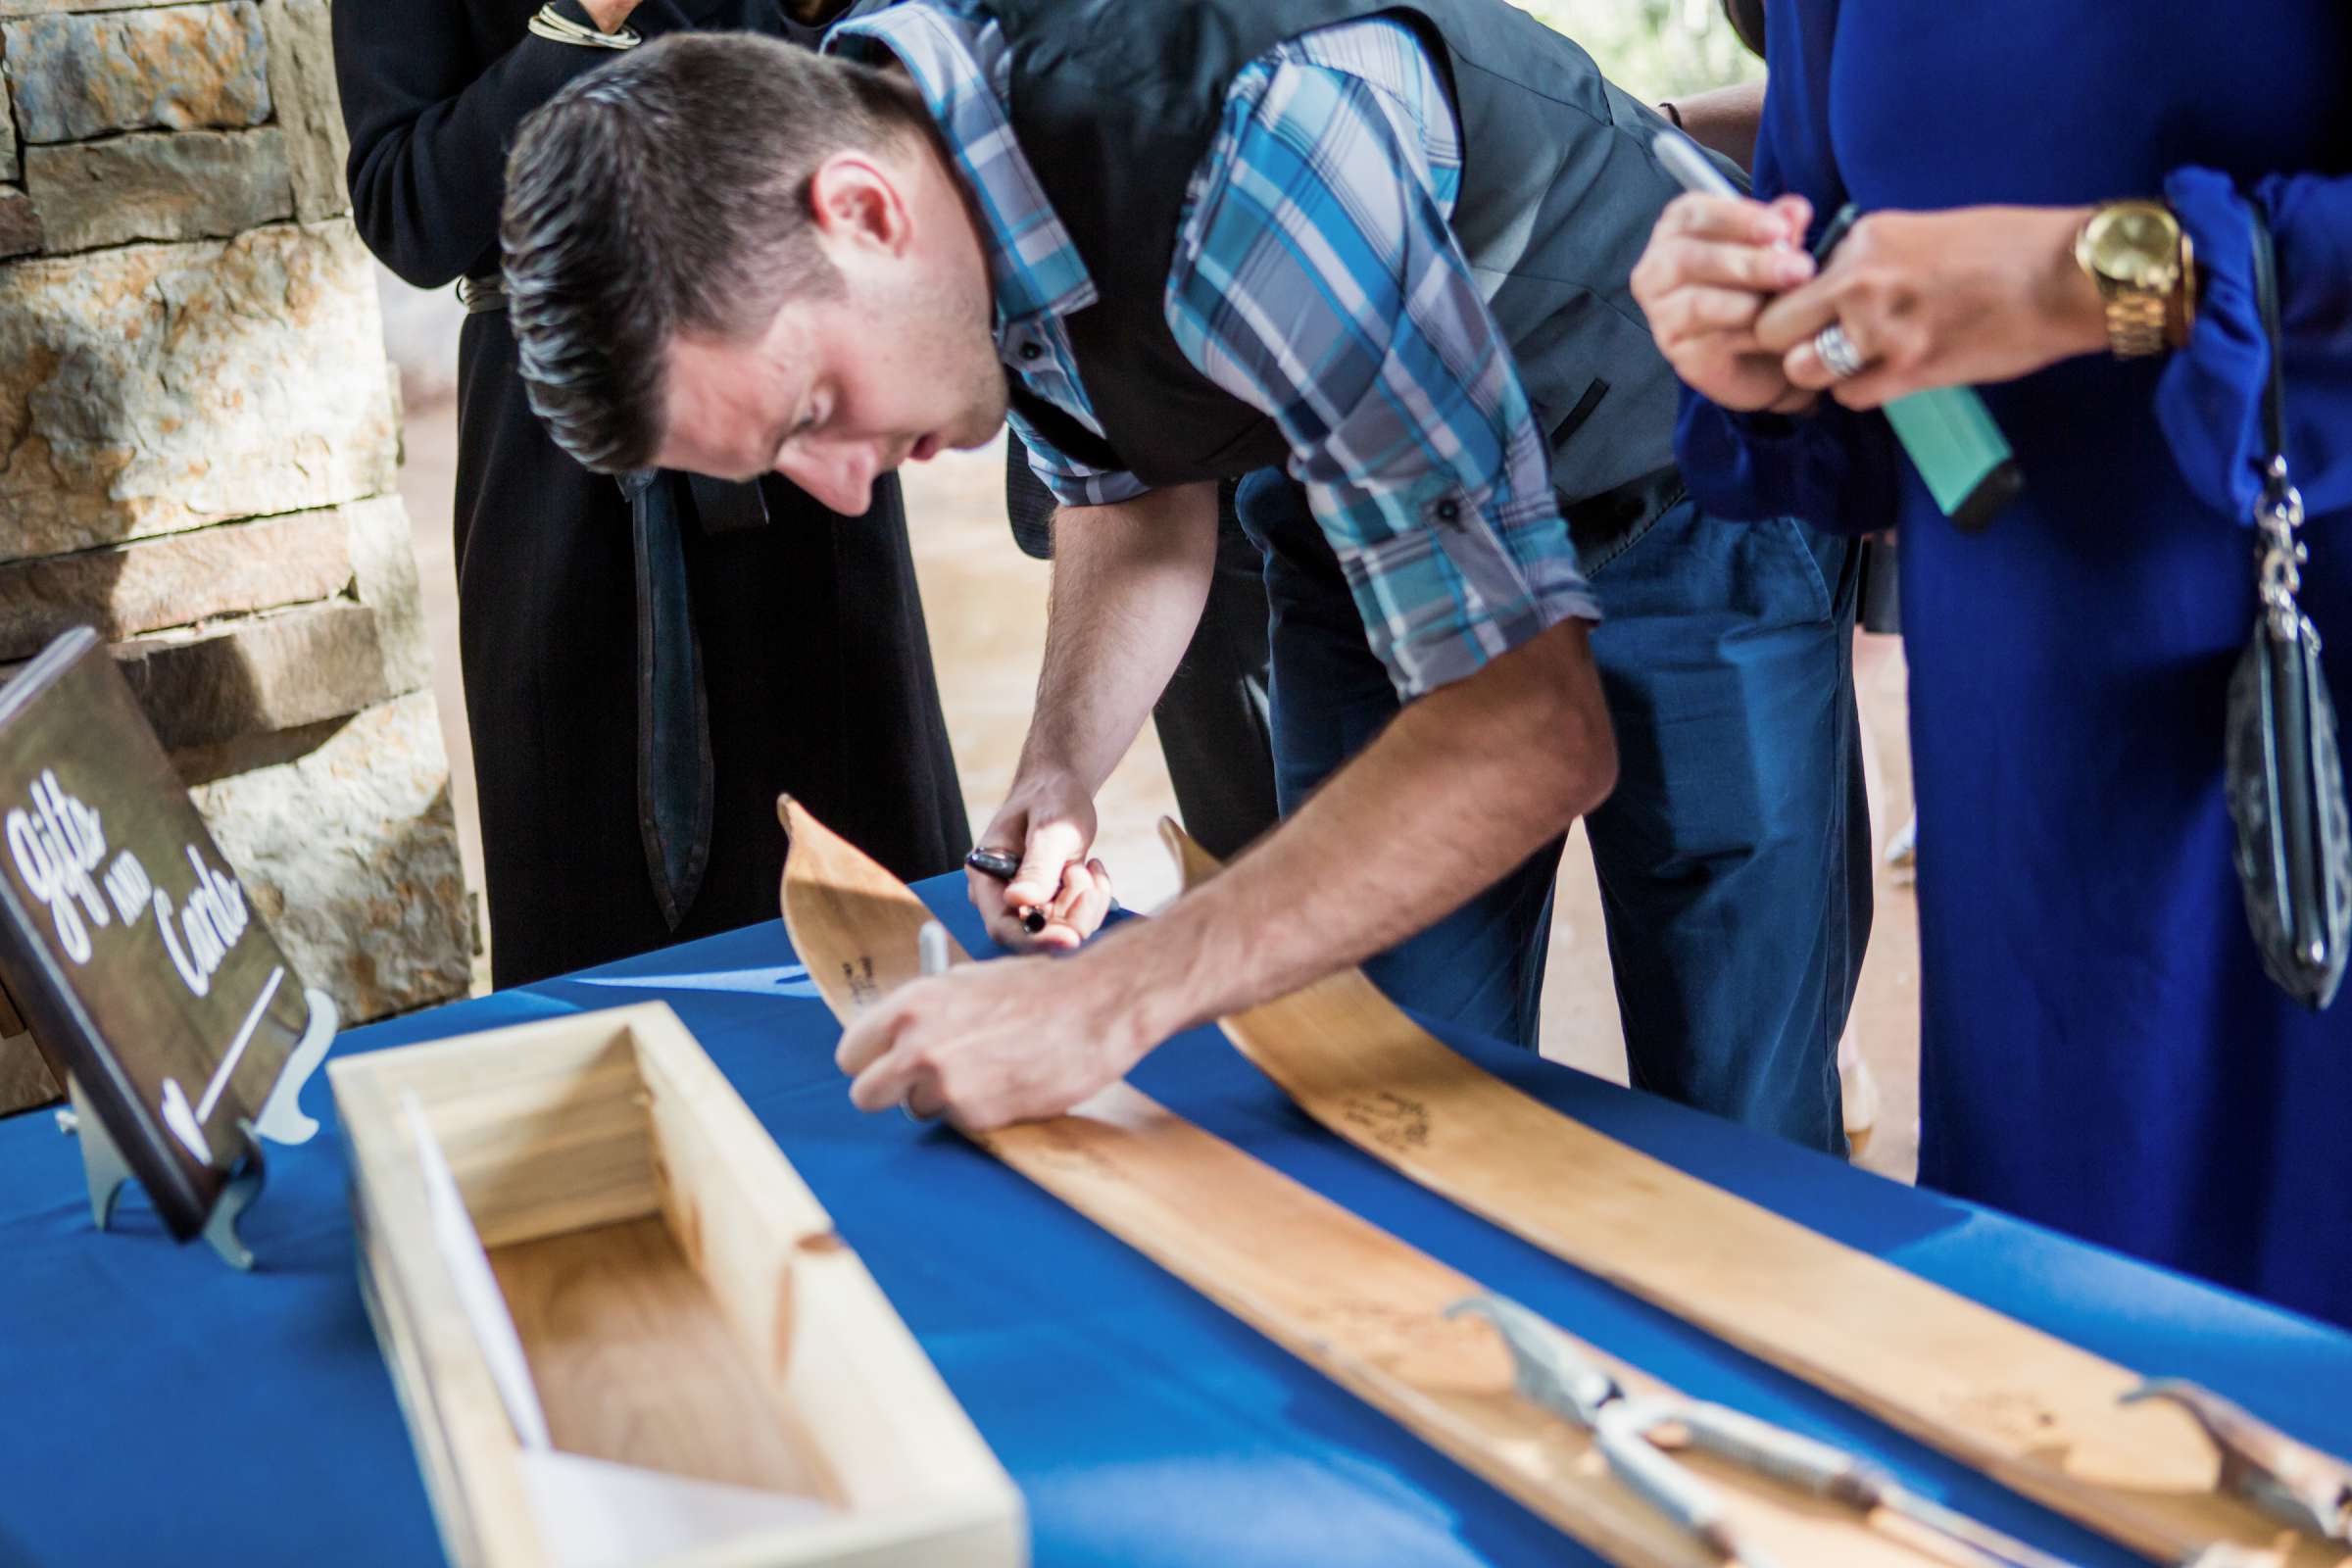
[(681, 1298)]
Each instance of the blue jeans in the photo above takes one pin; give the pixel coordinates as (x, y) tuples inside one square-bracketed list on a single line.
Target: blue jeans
[(1735, 854)]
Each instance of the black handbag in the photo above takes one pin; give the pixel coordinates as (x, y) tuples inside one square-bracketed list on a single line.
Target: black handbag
[(2285, 778)]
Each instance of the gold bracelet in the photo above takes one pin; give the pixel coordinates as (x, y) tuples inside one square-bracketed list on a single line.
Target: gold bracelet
[(2181, 316), (545, 23)]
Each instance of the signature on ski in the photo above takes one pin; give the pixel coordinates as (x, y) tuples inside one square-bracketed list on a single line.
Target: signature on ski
[(1390, 1119)]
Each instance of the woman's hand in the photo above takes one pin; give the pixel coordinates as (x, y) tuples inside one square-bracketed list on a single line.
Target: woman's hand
[(608, 15), (1942, 299), (1712, 266)]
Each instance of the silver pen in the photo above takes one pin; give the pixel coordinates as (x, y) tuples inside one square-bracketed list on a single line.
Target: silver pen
[(931, 958), (1687, 165)]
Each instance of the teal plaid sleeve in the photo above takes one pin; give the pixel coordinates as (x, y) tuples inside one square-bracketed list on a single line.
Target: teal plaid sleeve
[(1316, 278)]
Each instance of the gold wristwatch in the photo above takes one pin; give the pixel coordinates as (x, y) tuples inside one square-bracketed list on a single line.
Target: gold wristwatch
[(2138, 256)]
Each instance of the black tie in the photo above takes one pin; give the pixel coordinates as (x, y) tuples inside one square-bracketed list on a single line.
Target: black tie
[(673, 720)]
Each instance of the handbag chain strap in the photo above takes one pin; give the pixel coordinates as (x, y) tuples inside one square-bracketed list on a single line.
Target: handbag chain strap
[(2280, 514)]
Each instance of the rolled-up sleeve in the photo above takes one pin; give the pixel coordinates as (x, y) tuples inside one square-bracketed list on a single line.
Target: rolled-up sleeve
[(2209, 400), (1070, 482), (1311, 282), (1834, 468)]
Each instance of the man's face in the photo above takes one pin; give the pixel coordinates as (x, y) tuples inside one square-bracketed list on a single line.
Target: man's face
[(899, 364)]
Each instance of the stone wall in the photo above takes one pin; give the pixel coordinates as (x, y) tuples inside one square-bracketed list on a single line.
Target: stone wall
[(198, 435)]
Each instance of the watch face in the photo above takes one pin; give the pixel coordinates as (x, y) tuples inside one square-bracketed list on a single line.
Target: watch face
[(2138, 245)]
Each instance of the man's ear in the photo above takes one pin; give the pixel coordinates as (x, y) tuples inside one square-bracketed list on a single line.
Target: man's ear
[(856, 202)]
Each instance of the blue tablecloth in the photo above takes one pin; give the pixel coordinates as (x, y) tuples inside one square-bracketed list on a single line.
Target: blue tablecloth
[(160, 1406)]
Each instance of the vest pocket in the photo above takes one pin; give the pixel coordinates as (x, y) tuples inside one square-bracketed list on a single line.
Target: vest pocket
[(1577, 415)]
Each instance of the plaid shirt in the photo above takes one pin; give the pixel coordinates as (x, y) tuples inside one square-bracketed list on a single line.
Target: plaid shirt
[(1315, 277)]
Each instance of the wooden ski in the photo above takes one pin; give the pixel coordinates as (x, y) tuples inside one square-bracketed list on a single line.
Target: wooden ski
[(2037, 1413), (1352, 1301)]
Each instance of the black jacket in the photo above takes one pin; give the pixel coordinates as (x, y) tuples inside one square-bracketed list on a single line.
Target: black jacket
[(809, 632), (432, 94)]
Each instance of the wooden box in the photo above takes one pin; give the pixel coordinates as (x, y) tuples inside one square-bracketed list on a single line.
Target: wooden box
[(682, 1301)]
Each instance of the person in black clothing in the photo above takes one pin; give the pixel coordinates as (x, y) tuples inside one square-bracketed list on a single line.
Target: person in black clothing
[(646, 664)]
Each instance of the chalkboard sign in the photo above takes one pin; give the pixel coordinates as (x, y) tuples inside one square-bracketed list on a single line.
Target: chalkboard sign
[(125, 939)]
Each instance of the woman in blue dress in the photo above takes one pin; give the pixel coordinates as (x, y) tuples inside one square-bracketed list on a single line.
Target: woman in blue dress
[(2100, 1049)]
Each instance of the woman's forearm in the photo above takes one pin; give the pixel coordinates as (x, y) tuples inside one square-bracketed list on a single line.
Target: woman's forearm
[(1724, 118)]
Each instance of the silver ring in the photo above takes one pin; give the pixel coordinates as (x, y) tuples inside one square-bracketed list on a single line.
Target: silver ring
[(1837, 352)]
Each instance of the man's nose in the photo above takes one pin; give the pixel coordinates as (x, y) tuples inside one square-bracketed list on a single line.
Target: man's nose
[(842, 478)]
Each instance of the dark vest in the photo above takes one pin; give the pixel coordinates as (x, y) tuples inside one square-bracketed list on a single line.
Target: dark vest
[(1116, 102)]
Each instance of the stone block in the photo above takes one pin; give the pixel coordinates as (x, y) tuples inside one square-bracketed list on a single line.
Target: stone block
[(24, 1077), (8, 136), (184, 578), (25, 1080), (170, 68), (195, 184), (162, 387), (302, 88), (383, 560), (20, 225), (10, 10), (274, 672), (350, 853)]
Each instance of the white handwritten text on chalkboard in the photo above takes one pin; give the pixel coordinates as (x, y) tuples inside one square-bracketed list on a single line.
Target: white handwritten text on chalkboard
[(214, 916), (57, 845), (59, 841)]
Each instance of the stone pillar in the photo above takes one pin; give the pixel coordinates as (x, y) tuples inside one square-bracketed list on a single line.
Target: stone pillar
[(198, 437)]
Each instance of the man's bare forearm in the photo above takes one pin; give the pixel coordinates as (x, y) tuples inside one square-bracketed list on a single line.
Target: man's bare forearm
[(1129, 583), (1461, 788)]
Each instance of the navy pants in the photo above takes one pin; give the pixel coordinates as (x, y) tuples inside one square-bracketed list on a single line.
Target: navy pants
[(1735, 854)]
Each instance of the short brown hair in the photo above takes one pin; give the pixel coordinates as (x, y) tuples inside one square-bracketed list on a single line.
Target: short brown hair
[(668, 192)]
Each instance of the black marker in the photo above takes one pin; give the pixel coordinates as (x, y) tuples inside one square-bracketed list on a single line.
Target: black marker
[(1004, 867), (1834, 231)]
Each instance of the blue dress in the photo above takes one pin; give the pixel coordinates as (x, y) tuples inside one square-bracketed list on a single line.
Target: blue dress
[(2100, 1048)]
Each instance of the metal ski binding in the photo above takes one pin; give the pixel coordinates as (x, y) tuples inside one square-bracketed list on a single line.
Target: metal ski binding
[(1634, 1435), (2292, 1482)]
